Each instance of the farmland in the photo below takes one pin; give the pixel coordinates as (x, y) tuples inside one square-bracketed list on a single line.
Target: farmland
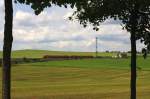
[(78, 79)]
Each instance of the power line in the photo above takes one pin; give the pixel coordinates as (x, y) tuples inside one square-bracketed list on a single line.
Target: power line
[(96, 52)]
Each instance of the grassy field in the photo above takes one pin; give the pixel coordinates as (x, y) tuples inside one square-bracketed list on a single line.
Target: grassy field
[(41, 53), (79, 79), (97, 63)]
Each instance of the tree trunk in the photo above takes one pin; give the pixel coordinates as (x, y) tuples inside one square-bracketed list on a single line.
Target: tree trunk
[(134, 24), (8, 39), (133, 66), (133, 21)]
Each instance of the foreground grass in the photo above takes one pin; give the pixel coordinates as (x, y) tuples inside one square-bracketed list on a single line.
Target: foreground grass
[(78, 79)]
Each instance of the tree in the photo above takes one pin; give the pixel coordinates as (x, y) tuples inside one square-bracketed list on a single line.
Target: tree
[(8, 39), (38, 6), (135, 17)]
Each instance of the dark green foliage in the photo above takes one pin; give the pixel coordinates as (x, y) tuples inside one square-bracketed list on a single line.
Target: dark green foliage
[(133, 14), (39, 5)]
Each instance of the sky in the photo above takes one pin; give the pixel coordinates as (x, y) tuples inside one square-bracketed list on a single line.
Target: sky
[(52, 30)]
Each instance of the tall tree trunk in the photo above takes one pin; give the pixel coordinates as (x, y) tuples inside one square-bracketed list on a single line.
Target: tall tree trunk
[(133, 21), (133, 66), (134, 24), (8, 39)]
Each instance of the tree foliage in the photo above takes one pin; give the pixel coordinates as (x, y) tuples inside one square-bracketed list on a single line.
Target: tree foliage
[(97, 11), (39, 5)]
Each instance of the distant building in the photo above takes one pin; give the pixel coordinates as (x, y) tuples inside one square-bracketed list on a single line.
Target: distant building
[(120, 55)]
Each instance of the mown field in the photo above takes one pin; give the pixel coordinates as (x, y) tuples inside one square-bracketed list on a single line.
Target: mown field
[(79, 79)]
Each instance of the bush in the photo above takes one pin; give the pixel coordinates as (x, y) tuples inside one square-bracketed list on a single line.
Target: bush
[(124, 55)]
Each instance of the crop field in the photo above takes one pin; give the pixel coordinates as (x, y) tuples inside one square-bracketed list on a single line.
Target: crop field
[(79, 79)]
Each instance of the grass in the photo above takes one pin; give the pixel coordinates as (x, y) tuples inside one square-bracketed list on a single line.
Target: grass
[(97, 63), (41, 53), (79, 79)]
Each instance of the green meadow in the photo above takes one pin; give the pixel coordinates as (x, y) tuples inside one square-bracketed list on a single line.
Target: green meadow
[(41, 53), (79, 79)]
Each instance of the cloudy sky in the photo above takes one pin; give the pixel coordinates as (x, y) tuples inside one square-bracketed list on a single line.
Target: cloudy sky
[(52, 30)]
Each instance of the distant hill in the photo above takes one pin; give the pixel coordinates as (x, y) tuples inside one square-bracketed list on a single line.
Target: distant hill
[(41, 53)]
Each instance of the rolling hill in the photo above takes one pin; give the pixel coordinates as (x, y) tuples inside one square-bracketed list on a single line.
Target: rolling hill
[(41, 53)]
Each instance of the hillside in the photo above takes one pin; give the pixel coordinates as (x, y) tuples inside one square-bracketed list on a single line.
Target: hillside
[(41, 53)]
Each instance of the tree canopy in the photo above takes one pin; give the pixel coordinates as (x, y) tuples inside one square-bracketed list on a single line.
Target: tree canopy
[(131, 13), (39, 5)]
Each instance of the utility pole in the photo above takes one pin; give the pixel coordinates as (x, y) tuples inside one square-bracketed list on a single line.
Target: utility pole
[(96, 52)]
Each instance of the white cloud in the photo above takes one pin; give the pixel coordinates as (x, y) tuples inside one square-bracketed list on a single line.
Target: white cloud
[(52, 30), (1, 22), (1, 2)]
